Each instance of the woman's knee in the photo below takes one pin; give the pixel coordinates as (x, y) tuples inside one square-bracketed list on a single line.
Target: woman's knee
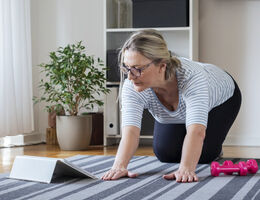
[(166, 153), (168, 140)]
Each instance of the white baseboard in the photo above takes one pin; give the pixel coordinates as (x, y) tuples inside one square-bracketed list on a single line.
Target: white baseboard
[(36, 138), (21, 140), (242, 141)]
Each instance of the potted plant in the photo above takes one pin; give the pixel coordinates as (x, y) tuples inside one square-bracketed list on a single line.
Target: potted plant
[(71, 84)]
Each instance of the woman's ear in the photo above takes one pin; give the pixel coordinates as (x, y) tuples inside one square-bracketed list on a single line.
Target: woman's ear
[(163, 67)]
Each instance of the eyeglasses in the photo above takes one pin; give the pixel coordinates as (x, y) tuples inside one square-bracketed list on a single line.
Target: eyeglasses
[(134, 71)]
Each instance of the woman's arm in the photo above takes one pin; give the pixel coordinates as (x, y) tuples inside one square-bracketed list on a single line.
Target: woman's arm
[(127, 147), (192, 146), (191, 151)]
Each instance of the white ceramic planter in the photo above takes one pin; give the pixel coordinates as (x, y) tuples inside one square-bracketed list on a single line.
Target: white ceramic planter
[(74, 132)]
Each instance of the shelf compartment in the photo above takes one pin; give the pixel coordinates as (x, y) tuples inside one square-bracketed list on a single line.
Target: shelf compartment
[(112, 30), (177, 41)]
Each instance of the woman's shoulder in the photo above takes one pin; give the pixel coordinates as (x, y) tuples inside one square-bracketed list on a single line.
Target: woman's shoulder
[(189, 72), (128, 86), (190, 66)]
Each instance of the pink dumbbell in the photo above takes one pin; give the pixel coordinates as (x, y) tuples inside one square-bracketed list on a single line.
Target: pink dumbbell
[(242, 168), (228, 163)]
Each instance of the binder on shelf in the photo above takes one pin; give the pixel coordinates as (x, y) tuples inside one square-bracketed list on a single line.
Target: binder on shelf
[(43, 169), (112, 114), (113, 72)]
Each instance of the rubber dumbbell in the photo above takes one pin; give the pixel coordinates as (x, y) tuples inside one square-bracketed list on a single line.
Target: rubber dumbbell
[(242, 168), (228, 163), (252, 166), (216, 169)]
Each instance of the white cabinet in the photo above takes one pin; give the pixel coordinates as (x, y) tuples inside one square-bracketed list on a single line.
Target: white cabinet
[(182, 41)]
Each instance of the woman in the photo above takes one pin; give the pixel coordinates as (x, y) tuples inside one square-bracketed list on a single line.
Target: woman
[(194, 105)]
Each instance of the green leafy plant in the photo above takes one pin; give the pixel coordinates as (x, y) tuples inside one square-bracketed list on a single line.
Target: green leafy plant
[(72, 80)]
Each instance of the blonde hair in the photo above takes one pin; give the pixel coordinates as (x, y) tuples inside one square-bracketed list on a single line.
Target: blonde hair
[(151, 44)]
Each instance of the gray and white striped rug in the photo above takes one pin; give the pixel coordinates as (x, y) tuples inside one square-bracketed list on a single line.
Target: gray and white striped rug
[(148, 185)]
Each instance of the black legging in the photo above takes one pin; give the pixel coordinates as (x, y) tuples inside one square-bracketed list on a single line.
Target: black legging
[(168, 138)]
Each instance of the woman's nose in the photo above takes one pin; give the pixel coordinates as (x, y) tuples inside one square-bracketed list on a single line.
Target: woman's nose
[(130, 76)]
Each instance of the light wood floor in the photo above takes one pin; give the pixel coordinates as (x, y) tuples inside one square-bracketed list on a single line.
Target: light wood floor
[(7, 155)]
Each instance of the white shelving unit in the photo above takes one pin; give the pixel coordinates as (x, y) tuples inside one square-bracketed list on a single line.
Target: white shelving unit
[(182, 41)]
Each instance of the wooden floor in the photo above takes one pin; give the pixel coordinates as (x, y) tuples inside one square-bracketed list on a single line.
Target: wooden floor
[(7, 155)]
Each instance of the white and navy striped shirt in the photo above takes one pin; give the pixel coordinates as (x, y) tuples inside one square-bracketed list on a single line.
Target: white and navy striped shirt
[(201, 87)]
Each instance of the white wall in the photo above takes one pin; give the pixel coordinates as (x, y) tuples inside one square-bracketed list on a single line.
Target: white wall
[(59, 22), (229, 37)]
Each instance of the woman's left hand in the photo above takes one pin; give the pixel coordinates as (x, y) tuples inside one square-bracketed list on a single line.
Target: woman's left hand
[(182, 175)]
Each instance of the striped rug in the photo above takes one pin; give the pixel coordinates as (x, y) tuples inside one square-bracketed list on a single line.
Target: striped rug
[(148, 185)]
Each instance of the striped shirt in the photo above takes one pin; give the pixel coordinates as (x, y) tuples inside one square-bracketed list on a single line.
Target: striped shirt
[(201, 87)]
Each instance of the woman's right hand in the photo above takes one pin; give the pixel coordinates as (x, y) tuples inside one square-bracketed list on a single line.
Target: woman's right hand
[(116, 173)]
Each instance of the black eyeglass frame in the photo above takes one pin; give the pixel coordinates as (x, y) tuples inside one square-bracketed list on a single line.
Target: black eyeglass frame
[(134, 71)]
